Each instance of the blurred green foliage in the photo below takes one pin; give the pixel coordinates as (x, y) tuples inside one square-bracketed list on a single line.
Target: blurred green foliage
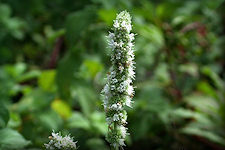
[(54, 59)]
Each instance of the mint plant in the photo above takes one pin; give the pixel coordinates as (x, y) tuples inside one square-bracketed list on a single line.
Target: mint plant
[(118, 91)]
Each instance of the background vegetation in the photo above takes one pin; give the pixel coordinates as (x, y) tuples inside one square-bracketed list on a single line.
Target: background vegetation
[(53, 61)]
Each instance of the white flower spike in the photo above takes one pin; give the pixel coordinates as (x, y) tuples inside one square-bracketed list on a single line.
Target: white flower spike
[(119, 90)]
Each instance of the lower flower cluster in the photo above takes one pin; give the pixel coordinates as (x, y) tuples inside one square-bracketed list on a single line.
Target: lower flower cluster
[(58, 142)]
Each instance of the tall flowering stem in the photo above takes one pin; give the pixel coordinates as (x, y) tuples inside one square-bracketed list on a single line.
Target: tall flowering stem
[(118, 90)]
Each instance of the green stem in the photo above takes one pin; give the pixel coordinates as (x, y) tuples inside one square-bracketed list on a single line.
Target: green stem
[(115, 148), (114, 128)]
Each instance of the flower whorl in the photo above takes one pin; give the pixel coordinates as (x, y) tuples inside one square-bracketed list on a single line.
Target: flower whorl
[(58, 142), (118, 90)]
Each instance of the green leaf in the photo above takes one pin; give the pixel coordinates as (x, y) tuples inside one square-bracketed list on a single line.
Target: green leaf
[(216, 79), (190, 68), (62, 108), (166, 10), (50, 120), (206, 88), (74, 29), (204, 133), (152, 33), (51, 34), (47, 80), (15, 120), (4, 115), (203, 103), (199, 118), (107, 15), (11, 139), (36, 100), (162, 73), (90, 68), (5, 11), (17, 70), (78, 120), (86, 98), (29, 75), (96, 144), (65, 75), (98, 122)]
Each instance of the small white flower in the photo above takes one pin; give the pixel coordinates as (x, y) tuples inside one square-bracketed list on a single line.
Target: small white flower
[(122, 87), (106, 89), (111, 44), (130, 53), (123, 24), (123, 78), (129, 81), (115, 145), (112, 35), (57, 145), (114, 81), (105, 105), (131, 37), (128, 101), (130, 58), (109, 120), (131, 72), (116, 117), (113, 74), (112, 58), (130, 45), (130, 90), (118, 55), (121, 142), (121, 115), (128, 27), (123, 131), (116, 24), (113, 87), (120, 44), (121, 68), (116, 107), (124, 119)]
